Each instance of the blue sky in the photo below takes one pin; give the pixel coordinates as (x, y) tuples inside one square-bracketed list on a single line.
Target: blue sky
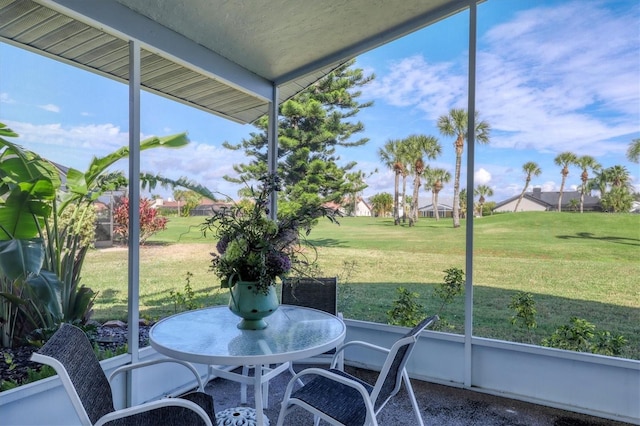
[(553, 76)]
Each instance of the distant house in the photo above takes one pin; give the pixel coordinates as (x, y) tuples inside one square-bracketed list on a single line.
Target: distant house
[(547, 201), (362, 208), (205, 208), (444, 210)]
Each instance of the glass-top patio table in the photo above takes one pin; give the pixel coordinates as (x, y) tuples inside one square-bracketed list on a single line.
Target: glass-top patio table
[(210, 336)]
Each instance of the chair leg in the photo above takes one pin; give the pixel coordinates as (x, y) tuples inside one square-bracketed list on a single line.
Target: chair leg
[(412, 397), (293, 373)]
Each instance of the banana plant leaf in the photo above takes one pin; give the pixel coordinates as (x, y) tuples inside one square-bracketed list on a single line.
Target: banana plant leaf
[(46, 289), (21, 258)]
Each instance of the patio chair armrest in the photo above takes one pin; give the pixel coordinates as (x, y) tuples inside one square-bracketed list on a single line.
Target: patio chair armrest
[(188, 365), (344, 346), (148, 406)]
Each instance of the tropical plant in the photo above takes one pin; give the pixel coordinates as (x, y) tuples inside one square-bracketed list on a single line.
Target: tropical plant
[(406, 311), (253, 247), (586, 163), (564, 160), (524, 306), (456, 124), (382, 203), (530, 169), (391, 156), (482, 191), (580, 335), (633, 152), (150, 222), (435, 178), (463, 202), (416, 147), (42, 243)]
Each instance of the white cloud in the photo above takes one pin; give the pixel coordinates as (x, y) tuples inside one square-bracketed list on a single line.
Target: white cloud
[(413, 81), (5, 98), (545, 80), (482, 177), (50, 107)]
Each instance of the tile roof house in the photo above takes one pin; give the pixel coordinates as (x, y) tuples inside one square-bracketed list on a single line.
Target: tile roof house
[(547, 201)]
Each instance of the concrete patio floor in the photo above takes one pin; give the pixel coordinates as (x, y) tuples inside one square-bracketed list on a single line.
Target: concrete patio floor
[(440, 405)]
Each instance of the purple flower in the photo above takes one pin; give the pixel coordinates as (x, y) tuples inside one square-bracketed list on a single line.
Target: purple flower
[(278, 263), (221, 246)]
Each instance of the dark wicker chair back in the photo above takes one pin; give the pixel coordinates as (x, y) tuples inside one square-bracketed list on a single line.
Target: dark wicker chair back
[(70, 353), (317, 293)]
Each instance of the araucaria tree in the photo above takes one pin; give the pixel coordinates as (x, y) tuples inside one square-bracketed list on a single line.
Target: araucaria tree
[(311, 126), (564, 160), (530, 169), (455, 124), (416, 147), (586, 163)]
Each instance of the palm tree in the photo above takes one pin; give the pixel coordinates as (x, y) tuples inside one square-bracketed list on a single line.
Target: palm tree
[(435, 180), (633, 152), (463, 202), (530, 169), (564, 160), (390, 156), (417, 146), (618, 176), (405, 159), (585, 162), (483, 191), (455, 124)]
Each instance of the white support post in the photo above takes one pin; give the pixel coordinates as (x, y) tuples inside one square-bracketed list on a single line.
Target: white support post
[(272, 149), (134, 199), (471, 110)]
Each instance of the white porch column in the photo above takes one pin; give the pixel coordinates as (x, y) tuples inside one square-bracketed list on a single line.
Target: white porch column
[(471, 110), (272, 148), (134, 199)]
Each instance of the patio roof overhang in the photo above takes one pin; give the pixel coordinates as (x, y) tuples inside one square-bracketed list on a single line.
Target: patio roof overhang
[(218, 56)]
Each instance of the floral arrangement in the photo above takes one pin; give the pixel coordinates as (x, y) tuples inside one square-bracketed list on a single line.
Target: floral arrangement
[(253, 247)]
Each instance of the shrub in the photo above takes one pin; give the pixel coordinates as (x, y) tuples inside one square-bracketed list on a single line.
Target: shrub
[(150, 221), (406, 311)]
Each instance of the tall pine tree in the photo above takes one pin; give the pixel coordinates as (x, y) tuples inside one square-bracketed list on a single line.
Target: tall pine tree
[(311, 126)]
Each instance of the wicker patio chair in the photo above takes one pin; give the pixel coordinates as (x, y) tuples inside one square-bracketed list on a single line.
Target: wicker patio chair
[(70, 353), (342, 399)]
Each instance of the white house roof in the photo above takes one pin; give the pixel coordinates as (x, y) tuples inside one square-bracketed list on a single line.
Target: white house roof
[(220, 56)]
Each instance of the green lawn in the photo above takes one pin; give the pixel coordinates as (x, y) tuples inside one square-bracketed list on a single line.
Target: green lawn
[(584, 265)]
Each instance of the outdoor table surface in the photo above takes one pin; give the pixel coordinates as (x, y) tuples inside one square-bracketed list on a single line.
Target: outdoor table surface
[(210, 336)]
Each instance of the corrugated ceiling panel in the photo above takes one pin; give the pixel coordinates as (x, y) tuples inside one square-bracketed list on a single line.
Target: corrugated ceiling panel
[(37, 27)]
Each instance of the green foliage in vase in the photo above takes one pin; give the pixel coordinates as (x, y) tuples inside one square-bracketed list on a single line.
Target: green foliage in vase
[(254, 247)]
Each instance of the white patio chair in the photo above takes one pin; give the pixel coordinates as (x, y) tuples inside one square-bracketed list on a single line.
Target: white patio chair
[(344, 400), (70, 353)]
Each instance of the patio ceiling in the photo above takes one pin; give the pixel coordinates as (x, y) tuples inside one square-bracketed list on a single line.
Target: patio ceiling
[(220, 56)]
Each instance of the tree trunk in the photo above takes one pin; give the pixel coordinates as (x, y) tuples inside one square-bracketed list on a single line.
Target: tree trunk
[(396, 213), (434, 203), (404, 199), (456, 182)]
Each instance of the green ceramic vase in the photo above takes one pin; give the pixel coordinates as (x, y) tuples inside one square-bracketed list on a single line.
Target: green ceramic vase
[(252, 306)]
